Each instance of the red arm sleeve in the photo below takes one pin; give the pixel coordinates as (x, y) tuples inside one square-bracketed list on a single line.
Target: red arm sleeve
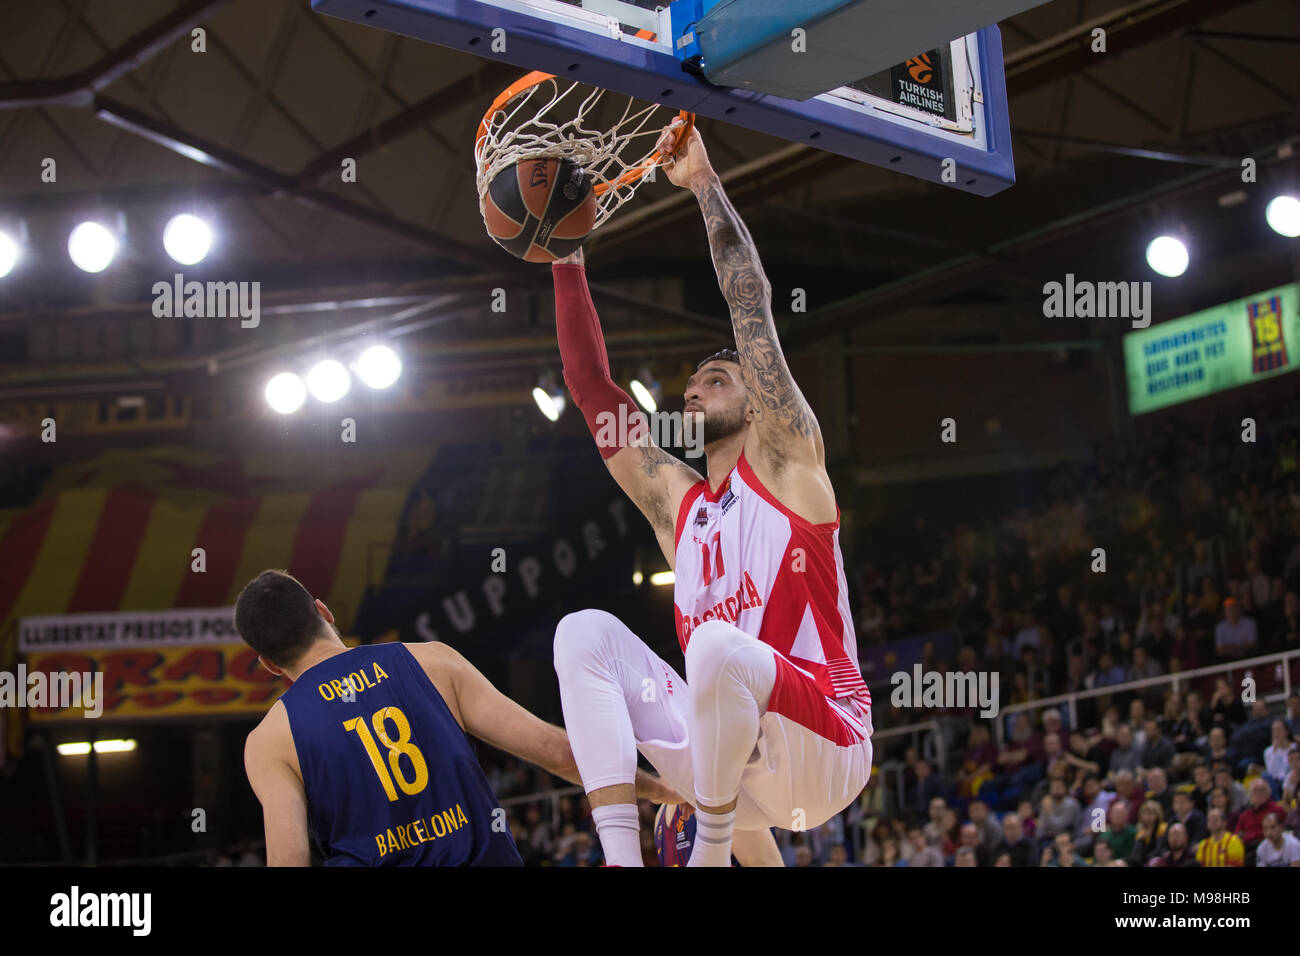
[(610, 412)]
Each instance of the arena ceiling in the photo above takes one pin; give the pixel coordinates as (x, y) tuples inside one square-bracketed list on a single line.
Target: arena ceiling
[(1108, 147)]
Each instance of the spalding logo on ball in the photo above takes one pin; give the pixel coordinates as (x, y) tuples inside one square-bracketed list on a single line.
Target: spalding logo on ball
[(540, 209), (674, 836)]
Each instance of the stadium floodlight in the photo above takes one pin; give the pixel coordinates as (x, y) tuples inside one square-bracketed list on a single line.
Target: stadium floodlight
[(379, 366), (549, 397), (1282, 214), (82, 747), (1167, 256), (285, 393), (8, 254), (644, 396), (660, 578), (328, 380), (187, 239), (91, 246)]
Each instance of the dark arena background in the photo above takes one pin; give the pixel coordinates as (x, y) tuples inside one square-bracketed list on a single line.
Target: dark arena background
[(1068, 470)]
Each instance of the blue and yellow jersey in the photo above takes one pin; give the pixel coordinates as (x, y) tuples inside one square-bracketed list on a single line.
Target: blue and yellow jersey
[(391, 779)]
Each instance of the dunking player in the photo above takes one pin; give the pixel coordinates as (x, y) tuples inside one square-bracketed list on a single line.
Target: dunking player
[(367, 748), (772, 726)]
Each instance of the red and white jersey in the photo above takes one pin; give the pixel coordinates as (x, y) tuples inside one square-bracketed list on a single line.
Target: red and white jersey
[(745, 558)]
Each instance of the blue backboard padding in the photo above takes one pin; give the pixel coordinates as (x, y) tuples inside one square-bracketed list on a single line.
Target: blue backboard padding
[(750, 43), (657, 76)]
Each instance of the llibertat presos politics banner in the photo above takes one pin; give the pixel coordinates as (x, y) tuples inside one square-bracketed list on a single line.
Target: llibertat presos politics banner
[(140, 665)]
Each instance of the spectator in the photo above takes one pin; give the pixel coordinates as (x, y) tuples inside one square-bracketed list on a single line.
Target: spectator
[(1217, 749), (1249, 741), (889, 855), (1291, 782), (1186, 815), (1226, 709), (839, 856), (922, 853), (1062, 852), (933, 829), (1221, 847), (1103, 855), (970, 840), (1250, 824), (1095, 804), (1236, 792), (979, 763), (1126, 789), (1278, 848), (965, 857), (1059, 813), (1277, 756), (1126, 755), (1235, 636), (1150, 831), (990, 834), (1015, 844), (1159, 750), (1143, 666), (803, 855), (1293, 710), (1158, 790), (1107, 674), (1177, 851), (1202, 786), (925, 787), (1119, 834)]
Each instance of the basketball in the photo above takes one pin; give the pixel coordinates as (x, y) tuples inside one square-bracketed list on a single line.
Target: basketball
[(674, 836), (540, 209)]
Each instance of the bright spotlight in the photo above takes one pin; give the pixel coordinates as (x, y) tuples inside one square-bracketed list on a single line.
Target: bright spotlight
[(328, 380), (552, 406), (8, 254), (1167, 256), (643, 396), (82, 748), (92, 247), (661, 578), (285, 393), (187, 239), (1283, 214), (379, 366)]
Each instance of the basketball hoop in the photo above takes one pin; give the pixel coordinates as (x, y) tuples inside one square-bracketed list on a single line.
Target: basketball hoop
[(527, 121)]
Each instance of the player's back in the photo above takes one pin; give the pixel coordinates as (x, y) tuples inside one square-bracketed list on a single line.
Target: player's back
[(391, 779)]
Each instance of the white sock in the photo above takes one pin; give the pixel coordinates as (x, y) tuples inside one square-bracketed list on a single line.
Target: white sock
[(712, 845), (619, 829)]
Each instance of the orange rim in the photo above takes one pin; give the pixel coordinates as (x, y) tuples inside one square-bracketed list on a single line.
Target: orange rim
[(536, 77)]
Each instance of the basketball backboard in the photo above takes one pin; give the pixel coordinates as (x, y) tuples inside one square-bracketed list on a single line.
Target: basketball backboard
[(944, 103)]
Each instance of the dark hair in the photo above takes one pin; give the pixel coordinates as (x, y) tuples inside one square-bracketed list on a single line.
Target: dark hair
[(276, 617), (722, 355)]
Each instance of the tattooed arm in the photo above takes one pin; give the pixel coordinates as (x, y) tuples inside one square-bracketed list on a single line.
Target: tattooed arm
[(784, 422), (652, 478)]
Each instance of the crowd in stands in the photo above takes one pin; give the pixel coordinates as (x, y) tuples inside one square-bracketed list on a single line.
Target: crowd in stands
[(1199, 565)]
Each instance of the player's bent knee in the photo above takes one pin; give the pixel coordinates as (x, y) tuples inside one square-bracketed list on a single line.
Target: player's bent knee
[(716, 646), (579, 635)]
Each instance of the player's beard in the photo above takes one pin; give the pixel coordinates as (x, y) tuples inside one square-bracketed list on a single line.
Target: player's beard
[(720, 425)]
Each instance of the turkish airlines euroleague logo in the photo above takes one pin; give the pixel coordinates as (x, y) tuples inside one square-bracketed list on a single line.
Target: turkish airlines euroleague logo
[(920, 69)]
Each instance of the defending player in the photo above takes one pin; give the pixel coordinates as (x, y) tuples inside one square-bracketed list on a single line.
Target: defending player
[(774, 727), (367, 748)]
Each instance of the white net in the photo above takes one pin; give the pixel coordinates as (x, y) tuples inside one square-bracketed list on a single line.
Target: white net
[(614, 148)]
